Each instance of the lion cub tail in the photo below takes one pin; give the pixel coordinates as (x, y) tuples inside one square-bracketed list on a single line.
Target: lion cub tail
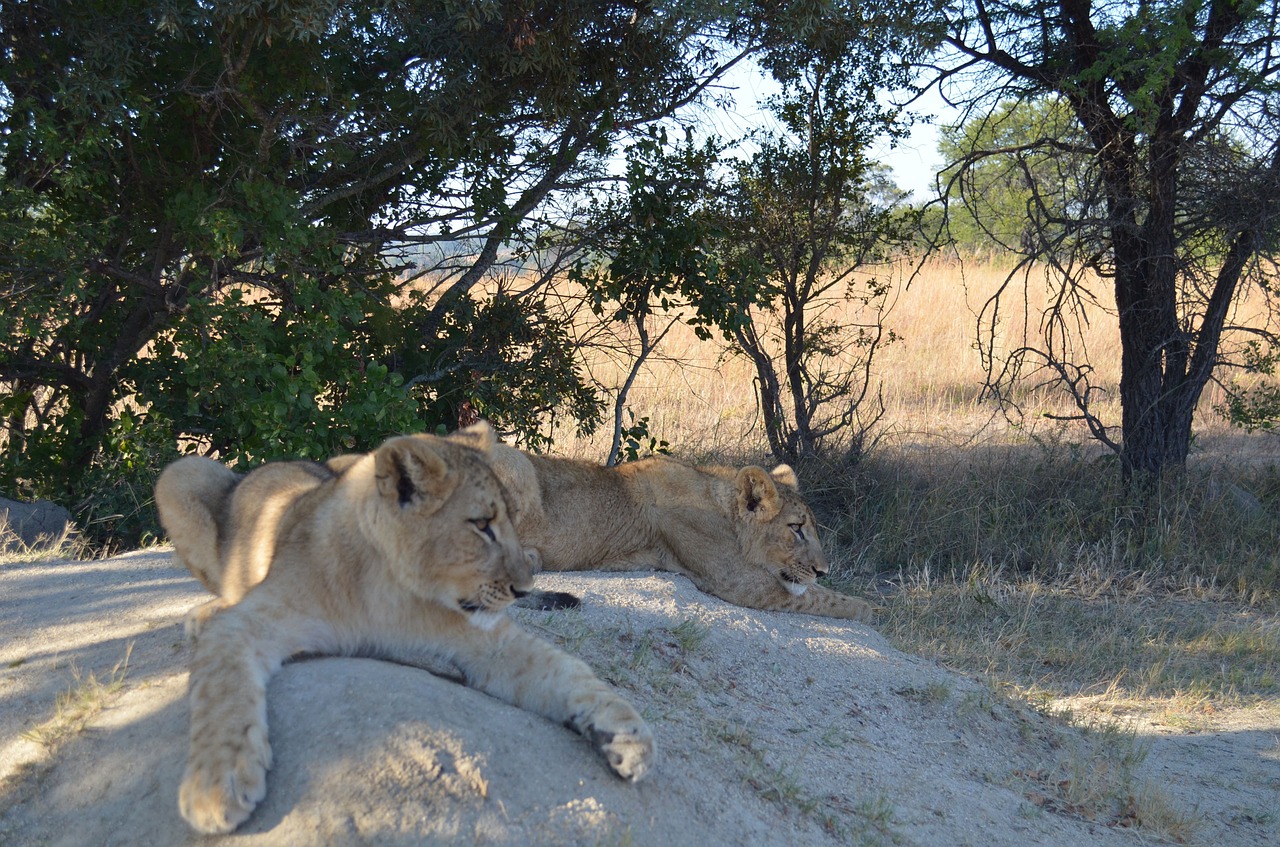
[(191, 495)]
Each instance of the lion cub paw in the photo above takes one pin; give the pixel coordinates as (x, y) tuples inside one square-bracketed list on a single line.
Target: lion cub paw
[(221, 788), (627, 746), (863, 611), (194, 623)]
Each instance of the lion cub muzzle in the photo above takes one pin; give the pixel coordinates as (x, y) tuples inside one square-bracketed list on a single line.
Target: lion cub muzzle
[(490, 604), (797, 577), (793, 585), (491, 600)]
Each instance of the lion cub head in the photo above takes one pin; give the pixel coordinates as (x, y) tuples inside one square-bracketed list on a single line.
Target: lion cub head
[(776, 528), (443, 522)]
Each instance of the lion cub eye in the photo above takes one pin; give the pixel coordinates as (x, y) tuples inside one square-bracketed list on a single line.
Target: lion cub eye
[(798, 529), (484, 525)]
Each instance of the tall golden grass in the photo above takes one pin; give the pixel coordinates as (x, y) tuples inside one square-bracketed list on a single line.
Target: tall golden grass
[(700, 397)]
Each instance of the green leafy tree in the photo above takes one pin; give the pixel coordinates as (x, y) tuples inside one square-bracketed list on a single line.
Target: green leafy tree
[(653, 251), (653, 255), (1014, 175), (757, 251), (1176, 103), (158, 156), (1253, 403), (313, 371)]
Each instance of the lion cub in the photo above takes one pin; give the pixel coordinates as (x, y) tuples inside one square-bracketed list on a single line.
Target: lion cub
[(742, 534), (411, 546)]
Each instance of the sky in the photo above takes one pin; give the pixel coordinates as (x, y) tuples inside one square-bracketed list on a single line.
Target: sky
[(914, 160)]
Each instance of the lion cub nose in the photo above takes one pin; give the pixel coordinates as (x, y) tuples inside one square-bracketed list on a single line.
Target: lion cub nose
[(520, 581)]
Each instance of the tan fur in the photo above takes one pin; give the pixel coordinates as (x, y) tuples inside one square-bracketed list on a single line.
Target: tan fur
[(406, 550), (744, 535)]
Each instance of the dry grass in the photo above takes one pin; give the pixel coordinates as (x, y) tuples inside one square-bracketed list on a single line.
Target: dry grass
[(1125, 647), (71, 545), (934, 376), (950, 482), (79, 704), (700, 398)]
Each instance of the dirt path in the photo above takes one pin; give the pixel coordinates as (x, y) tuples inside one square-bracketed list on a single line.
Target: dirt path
[(774, 729)]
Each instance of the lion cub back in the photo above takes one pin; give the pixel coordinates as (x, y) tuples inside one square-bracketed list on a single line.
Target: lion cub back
[(224, 525)]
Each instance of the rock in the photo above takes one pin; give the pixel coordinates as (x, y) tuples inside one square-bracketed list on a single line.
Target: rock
[(772, 729), (32, 526)]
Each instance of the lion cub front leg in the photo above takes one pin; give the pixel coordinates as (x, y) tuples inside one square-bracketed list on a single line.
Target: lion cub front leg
[(528, 672), (769, 595), (819, 600), (226, 774)]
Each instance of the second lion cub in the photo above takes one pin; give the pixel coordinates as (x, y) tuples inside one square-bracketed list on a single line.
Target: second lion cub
[(744, 535)]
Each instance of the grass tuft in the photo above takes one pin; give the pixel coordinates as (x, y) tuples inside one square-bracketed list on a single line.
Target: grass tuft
[(1152, 810), (70, 545), (691, 636), (79, 704), (1096, 780)]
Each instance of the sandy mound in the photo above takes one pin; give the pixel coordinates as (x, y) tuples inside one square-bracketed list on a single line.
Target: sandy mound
[(774, 729)]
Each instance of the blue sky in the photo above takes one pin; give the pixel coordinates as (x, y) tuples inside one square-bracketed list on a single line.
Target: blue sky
[(914, 160)]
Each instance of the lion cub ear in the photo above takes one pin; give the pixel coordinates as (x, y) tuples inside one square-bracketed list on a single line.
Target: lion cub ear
[(411, 472), (757, 494), (479, 436), (784, 475)]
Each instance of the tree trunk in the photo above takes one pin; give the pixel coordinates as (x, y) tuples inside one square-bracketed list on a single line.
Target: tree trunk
[(1155, 350), (1146, 448), (1165, 366), (770, 391), (801, 442)]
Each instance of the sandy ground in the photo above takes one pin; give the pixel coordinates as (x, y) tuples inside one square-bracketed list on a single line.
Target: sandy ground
[(774, 729)]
